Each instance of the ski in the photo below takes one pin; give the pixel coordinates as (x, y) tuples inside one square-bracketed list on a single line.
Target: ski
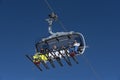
[(44, 64), (57, 59), (73, 57), (33, 62), (68, 56), (68, 62), (51, 61)]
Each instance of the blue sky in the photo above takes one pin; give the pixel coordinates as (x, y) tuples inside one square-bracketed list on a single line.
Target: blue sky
[(22, 23)]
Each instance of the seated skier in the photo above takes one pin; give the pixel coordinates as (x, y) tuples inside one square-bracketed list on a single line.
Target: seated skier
[(38, 57), (43, 55), (71, 50), (72, 53), (55, 52), (76, 46), (62, 50)]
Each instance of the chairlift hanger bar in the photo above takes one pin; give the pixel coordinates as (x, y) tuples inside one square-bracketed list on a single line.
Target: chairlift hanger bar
[(59, 21)]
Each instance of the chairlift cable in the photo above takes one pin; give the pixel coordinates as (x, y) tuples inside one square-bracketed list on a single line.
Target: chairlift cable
[(92, 68), (51, 9), (62, 25), (48, 5)]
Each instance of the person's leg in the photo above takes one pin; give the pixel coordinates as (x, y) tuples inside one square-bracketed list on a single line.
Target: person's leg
[(76, 49)]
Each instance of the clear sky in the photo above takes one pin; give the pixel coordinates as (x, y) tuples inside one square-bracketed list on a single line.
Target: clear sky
[(22, 23)]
